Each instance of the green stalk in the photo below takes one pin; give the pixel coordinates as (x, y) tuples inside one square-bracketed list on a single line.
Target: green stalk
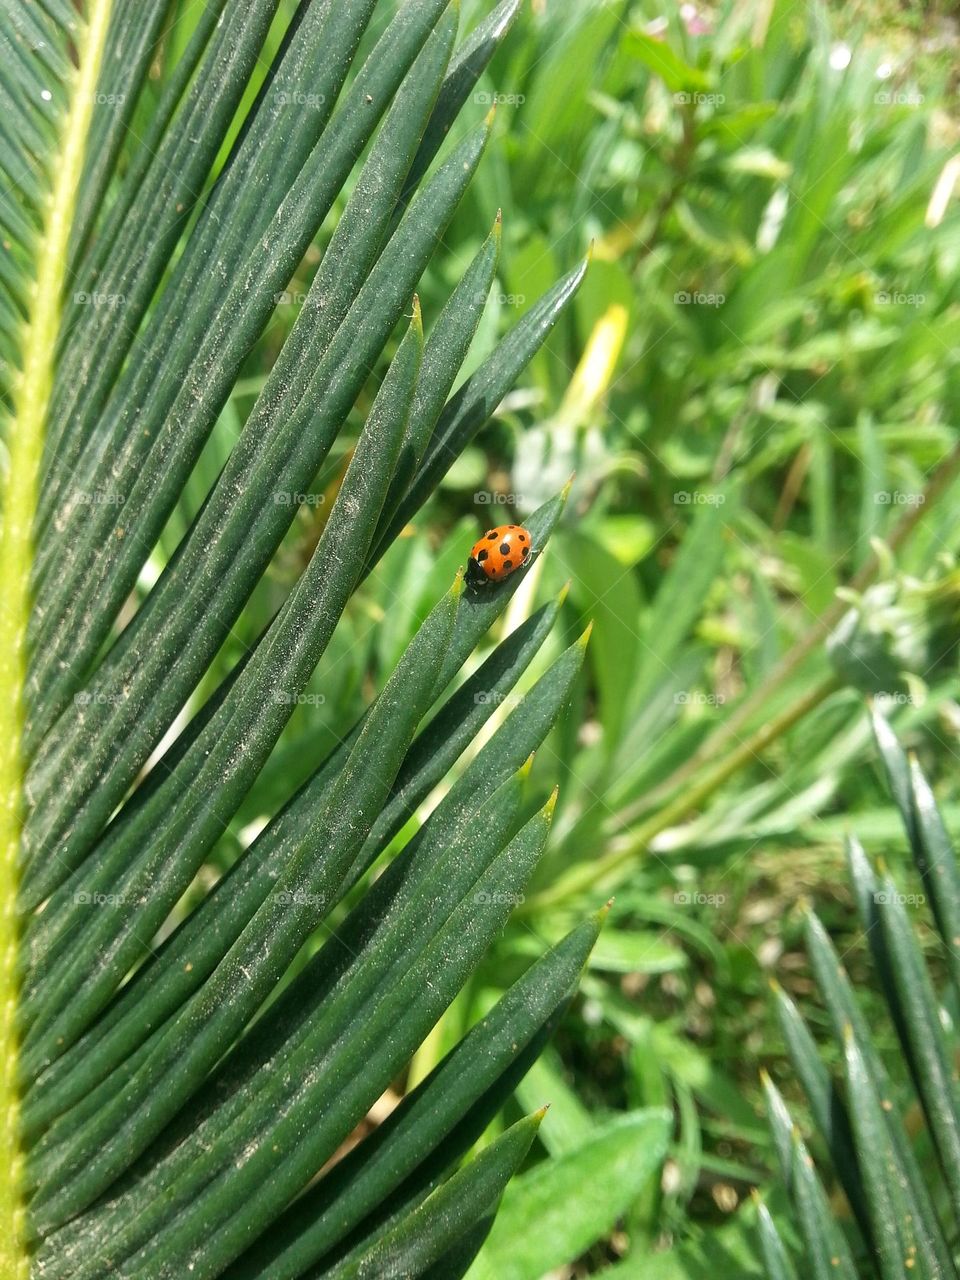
[(26, 439), (945, 473), (603, 874)]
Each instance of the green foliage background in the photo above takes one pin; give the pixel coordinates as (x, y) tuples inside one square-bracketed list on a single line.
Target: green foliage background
[(756, 391)]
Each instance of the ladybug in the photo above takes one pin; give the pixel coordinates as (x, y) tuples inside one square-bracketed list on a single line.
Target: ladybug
[(500, 552)]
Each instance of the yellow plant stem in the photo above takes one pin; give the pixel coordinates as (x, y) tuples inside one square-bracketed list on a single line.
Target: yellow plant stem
[(31, 401), (753, 705), (606, 872)]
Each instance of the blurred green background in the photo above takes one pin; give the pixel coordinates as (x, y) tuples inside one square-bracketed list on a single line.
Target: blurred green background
[(756, 393)]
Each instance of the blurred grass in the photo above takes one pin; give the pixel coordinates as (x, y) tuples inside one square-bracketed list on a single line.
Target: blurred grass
[(759, 379)]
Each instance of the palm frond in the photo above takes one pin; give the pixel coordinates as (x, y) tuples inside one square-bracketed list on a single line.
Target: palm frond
[(903, 1188), (179, 1079)]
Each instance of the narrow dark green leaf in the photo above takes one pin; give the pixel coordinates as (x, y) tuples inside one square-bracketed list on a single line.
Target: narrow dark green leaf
[(827, 1251), (449, 1213), (360, 1182), (280, 450), (776, 1260), (173, 182), (185, 959), (471, 59), (845, 1012), (384, 936), (271, 148), (446, 348), (131, 47), (223, 1218), (457, 1261), (919, 1015), (897, 769), (223, 914), (937, 863), (346, 363), (866, 887), (892, 1232), (175, 88), (239, 738), (258, 958), (829, 1111), (201, 327), (479, 397)]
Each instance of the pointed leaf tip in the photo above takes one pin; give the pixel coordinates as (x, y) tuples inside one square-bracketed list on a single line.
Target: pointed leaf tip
[(584, 639), (524, 771), (551, 804), (600, 916), (564, 592), (507, 18)]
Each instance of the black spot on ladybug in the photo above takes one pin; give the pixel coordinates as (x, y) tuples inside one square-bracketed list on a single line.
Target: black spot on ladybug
[(482, 555), (492, 535), (526, 552), (522, 536), (508, 564), (504, 548)]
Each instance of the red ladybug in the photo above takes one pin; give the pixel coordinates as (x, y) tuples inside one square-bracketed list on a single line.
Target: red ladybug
[(500, 552)]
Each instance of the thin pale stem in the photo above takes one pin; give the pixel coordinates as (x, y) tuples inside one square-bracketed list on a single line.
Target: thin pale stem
[(603, 875), (793, 659), (31, 401)]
